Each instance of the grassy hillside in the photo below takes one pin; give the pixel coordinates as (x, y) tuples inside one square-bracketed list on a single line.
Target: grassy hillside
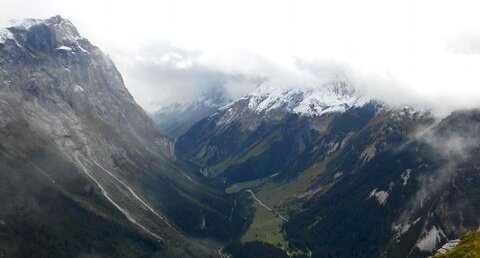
[(469, 246)]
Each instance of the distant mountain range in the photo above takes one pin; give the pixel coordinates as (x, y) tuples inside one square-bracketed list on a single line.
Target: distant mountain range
[(175, 119)]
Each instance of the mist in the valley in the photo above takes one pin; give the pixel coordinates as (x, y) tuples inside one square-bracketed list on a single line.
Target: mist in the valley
[(453, 144)]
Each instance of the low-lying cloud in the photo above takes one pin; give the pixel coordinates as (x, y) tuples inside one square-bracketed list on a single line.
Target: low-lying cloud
[(453, 143), (165, 75), (423, 53), (464, 43), (443, 82)]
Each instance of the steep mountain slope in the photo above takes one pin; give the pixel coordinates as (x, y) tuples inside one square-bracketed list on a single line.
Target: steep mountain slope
[(84, 170), (404, 201), (177, 118), (275, 131), (335, 175)]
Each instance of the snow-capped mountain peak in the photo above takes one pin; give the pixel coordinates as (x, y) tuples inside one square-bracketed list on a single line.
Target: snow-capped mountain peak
[(55, 32), (64, 28), (330, 98)]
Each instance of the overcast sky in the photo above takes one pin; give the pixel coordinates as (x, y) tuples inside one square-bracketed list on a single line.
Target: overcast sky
[(407, 51)]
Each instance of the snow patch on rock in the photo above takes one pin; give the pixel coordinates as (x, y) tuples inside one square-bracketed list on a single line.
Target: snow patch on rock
[(405, 176), (5, 34), (64, 48), (337, 175), (78, 88), (381, 196), (449, 245), (430, 240)]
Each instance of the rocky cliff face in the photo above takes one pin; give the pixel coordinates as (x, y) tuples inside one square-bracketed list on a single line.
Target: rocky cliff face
[(68, 117), (56, 66)]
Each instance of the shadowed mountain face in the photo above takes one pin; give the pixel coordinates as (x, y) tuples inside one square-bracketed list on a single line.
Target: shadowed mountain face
[(83, 169), (349, 177), (412, 195)]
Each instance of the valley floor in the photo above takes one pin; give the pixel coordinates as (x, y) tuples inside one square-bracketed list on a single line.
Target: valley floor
[(272, 202)]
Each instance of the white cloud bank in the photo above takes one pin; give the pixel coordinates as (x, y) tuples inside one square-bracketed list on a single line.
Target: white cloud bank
[(405, 51)]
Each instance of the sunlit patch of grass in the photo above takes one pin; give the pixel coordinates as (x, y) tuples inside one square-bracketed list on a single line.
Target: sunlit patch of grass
[(281, 197), (266, 227), (469, 247)]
